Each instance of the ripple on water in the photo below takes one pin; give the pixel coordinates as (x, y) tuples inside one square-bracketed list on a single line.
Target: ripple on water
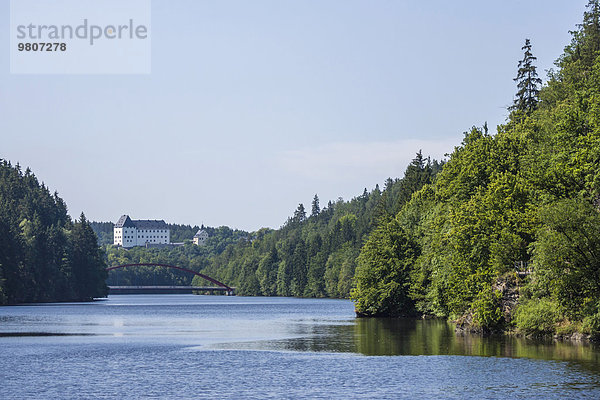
[(190, 347)]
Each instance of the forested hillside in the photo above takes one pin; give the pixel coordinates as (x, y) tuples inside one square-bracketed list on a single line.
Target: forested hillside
[(104, 231), (314, 254), (44, 255), (505, 236), (528, 195)]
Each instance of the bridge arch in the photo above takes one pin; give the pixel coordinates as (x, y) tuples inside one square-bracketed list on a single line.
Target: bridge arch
[(208, 278)]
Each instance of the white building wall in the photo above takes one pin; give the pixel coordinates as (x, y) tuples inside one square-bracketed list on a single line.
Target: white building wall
[(118, 236), (142, 237), (153, 236), (131, 236)]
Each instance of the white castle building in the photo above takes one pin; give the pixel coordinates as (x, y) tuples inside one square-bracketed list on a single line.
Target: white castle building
[(130, 233)]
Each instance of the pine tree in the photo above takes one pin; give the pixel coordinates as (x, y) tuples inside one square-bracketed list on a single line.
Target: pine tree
[(528, 83), (315, 285), (417, 174), (299, 214), (316, 209), (88, 265)]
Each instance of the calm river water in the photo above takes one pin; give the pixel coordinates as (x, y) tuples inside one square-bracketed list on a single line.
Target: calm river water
[(190, 347)]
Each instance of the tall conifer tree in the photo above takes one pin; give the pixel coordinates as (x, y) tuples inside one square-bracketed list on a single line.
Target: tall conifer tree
[(528, 82), (299, 214), (316, 209)]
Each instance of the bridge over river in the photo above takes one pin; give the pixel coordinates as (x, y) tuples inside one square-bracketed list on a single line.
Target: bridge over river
[(152, 289)]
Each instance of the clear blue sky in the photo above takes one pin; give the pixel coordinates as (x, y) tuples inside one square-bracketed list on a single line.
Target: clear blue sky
[(254, 106)]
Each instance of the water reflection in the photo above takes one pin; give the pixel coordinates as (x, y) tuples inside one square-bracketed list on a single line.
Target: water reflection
[(173, 345), (388, 337), (282, 324), (437, 337), (392, 337)]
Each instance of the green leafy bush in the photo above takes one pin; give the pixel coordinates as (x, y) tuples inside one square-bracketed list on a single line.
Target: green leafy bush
[(591, 323), (382, 277), (537, 316), (487, 310)]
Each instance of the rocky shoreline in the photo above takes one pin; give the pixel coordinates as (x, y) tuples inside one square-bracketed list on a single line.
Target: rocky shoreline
[(463, 327)]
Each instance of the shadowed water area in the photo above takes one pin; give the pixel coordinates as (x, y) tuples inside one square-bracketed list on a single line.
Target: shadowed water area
[(185, 346)]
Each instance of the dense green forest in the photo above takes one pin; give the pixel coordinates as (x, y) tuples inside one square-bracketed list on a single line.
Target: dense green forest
[(104, 231), (44, 255), (503, 235), (527, 196)]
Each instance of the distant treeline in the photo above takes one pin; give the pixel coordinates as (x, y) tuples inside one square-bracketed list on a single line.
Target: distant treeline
[(315, 253), (312, 255), (44, 255)]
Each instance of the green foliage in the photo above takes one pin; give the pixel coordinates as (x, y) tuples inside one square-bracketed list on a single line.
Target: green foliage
[(87, 262), (528, 82), (383, 275), (528, 194), (537, 316), (104, 231), (340, 268), (44, 255), (591, 323), (567, 254), (487, 308), (316, 255), (472, 223), (316, 208)]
